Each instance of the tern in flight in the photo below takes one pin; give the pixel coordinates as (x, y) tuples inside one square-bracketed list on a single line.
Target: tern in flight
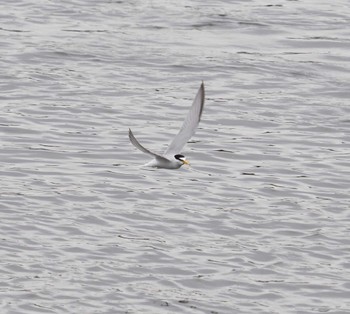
[(172, 158)]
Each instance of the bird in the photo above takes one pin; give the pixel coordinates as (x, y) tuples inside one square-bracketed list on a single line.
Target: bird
[(172, 157)]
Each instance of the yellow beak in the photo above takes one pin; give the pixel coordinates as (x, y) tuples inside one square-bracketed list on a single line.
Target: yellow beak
[(185, 162)]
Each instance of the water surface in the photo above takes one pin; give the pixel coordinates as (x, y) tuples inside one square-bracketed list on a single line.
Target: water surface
[(258, 224)]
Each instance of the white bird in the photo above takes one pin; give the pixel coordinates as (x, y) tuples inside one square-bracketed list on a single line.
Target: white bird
[(171, 158)]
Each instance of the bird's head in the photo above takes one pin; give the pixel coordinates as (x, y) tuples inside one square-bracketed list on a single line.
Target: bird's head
[(182, 158)]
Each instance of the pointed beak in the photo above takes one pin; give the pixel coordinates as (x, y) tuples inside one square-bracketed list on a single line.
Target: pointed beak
[(185, 162)]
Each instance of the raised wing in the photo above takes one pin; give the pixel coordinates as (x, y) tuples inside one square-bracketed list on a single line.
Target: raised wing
[(189, 126), (135, 142)]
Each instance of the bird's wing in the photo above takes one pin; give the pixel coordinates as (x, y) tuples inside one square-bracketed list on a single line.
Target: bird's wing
[(135, 142), (189, 126)]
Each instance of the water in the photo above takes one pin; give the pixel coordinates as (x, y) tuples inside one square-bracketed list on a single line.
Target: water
[(259, 224)]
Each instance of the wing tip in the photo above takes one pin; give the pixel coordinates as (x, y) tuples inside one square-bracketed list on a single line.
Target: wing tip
[(131, 136), (202, 86), (202, 99)]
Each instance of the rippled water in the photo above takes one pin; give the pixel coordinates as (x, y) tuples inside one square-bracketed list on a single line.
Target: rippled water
[(259, 224)]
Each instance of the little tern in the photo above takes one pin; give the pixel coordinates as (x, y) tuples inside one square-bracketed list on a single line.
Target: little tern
[(172, 158)]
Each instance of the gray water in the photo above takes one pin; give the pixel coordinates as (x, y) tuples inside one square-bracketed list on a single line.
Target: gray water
[(258, 224)]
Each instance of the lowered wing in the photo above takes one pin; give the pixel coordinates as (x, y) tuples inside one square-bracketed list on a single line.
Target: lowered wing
[(135, 142)]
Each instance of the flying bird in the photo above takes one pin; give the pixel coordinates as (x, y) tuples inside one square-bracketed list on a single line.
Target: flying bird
[(172, 157)]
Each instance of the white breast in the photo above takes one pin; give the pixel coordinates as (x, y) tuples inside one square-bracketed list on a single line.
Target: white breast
[(164, 164)]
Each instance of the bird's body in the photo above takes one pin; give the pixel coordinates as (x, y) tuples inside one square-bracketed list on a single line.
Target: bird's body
[(172, 159), (169, 164)]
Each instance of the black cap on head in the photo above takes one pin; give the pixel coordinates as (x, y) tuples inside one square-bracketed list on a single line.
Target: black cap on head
[(179, 157)]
